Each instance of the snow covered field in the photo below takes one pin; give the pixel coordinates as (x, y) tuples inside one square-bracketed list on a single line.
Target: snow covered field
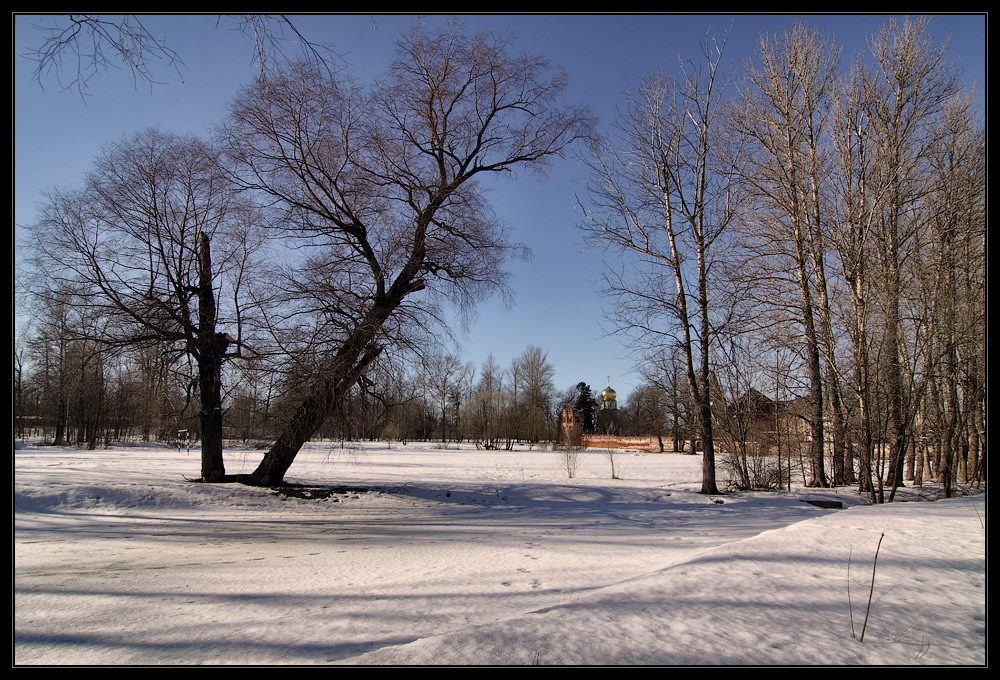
[(468, 557)]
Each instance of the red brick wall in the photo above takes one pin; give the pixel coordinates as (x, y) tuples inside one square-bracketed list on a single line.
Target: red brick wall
[(606, 441)]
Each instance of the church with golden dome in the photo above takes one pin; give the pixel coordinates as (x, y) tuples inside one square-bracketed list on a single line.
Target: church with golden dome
[(609, 419), (606, 428), (606, 419), (609, 398)]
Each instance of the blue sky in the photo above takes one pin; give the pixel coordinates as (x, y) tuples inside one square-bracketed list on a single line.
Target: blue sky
[(57, 134)]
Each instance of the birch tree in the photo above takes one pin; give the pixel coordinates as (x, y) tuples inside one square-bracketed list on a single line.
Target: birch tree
[(783, 115), (905, 91), (660, 198)]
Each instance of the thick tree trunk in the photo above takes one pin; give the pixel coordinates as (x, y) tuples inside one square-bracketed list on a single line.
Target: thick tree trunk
[(816, 431), (343, 372), (897, 418), (815, 417), (210, 386), (843, 464), (708, 483), (210, 349), (355, 355), (843, 472)]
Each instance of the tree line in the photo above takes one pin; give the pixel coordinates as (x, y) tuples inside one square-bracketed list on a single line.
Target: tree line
[(69, 390)]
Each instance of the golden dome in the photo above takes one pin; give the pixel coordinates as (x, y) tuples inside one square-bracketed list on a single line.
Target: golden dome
[(607, 394)]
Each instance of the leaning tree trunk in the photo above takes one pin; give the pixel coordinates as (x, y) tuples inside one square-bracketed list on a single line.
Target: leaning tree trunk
[(329, 391), (355, 355)]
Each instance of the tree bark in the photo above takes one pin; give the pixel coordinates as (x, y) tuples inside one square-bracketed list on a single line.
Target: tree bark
[(345, 369), (210, 350)]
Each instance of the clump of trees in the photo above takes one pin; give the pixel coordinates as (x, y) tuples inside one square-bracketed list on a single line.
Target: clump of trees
[(374, 192), (834, 215), (151, 255), (515, 405)]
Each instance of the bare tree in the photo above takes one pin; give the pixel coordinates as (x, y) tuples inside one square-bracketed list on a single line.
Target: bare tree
[(48, 351), (75, 48), (134, 249), (887, 136), (660, 195), (783, 115), (646, 411), (536, 394), (382, 183), (19, 402), (490, 408), (906, 90), (665, 372), (953, 252), (859, 192), (443, 372), (571, 460)]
